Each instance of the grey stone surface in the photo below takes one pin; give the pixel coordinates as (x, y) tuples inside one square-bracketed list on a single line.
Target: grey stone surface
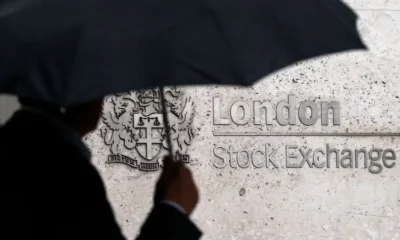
[(289, 203), (374, 4), (8, 105)]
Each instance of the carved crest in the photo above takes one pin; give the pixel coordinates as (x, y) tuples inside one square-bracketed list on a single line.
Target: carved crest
[(133, 127)]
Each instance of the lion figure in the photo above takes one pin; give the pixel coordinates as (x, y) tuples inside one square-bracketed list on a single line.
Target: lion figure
[(118, 121), (180, 115)]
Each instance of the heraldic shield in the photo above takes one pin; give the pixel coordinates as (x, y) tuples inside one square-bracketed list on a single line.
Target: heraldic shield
[(133, 127), (152, 139)]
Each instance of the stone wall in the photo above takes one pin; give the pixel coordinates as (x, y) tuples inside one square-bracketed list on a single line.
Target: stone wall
[(263, 198)]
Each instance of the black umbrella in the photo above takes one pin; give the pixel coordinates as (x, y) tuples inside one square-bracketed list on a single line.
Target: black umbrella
[(70, 52)]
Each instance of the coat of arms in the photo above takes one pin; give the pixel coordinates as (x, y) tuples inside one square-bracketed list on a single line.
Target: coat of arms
[(133, 127)]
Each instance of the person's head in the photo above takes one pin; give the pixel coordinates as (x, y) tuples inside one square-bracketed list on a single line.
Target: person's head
[(83, 118)]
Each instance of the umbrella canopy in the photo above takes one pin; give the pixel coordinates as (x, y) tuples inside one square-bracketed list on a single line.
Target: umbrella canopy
[(70, 52)]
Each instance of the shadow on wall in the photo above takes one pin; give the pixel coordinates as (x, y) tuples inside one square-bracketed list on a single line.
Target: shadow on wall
[(8, 105)]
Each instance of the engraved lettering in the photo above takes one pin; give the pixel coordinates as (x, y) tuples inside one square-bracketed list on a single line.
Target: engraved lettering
[(290, 106), (235, 112), (306, 156), (265, 107), (219, 165), (218, 120), (303, 113), (391, 157), (316, 158), (290, 156), (335, 106)]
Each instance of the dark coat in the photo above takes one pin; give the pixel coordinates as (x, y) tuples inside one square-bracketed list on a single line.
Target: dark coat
[(50, 191)]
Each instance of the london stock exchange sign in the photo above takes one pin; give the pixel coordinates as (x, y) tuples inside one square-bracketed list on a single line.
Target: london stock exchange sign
[(286, 113), (134, 130), (133, 127)]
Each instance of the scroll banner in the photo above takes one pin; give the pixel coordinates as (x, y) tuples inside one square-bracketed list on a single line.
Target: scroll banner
[(119, 158), (153, 166)]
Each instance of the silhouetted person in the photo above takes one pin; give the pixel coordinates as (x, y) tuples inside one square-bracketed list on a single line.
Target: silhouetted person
[(50, 190)]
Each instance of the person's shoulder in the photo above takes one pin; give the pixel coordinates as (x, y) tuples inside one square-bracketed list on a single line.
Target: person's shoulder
[(31, 135)]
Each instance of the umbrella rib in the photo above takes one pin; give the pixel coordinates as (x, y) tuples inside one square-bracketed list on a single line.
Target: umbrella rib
[(166, 121)]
